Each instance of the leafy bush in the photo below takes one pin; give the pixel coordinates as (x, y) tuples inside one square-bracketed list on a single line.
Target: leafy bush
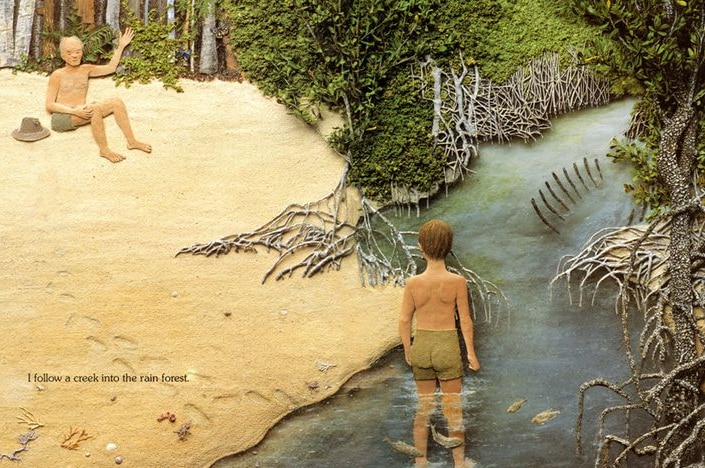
[(152, 53), (356, 56)]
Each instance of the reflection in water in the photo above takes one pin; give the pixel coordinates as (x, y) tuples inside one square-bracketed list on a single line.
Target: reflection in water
[(543, 354)]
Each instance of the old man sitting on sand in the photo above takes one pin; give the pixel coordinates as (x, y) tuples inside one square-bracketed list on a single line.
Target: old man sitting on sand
[(66, 97)]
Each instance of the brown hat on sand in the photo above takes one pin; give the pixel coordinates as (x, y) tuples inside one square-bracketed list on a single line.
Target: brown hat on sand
[(30, 130)]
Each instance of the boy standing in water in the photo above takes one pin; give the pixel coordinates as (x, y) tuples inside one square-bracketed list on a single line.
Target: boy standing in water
[(66, 97), (432, 297)]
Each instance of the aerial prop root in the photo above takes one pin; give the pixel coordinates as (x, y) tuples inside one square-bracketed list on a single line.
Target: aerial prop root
[(317, 230)]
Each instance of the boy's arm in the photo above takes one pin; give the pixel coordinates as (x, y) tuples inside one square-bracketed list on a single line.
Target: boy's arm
[(466, 325), (110, 67), (407, 312)]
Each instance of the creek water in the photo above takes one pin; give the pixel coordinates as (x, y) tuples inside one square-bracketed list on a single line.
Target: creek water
[(542, 349)]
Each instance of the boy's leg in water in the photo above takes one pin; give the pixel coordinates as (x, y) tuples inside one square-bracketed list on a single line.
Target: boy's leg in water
[(426, 390), (451, 401)]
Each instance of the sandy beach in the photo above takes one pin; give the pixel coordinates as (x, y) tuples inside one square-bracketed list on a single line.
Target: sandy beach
[(93, 296)]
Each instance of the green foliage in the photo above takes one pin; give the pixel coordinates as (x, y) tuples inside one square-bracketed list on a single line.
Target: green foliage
[(97, 45), (646, 188), (357, 55), (525, 29), (661, 44), (152, 54), (97, 41), (665, 54), (398, 145)]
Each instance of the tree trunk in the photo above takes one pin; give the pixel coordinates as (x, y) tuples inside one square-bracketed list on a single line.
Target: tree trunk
[(37, 27), (64, 7), (100, 12), (7, 43), (170, 15), (86, 10), (208, 63), (112, 14), (23, 30), (134, 6), (675, 159), (48, 47)]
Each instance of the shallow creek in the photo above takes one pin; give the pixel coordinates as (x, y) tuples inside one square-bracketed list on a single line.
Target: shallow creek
[(541, 350)]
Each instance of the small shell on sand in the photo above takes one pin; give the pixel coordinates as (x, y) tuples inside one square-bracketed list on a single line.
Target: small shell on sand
[(111, 447), (118, 460)]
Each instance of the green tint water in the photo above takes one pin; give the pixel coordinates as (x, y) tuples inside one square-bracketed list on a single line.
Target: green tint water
[(542, 350)]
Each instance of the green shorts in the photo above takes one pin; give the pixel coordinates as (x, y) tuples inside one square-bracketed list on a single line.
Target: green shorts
[(435, 354), (61, 122)]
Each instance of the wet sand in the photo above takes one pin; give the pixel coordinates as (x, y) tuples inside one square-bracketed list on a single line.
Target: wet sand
[(92, 293)]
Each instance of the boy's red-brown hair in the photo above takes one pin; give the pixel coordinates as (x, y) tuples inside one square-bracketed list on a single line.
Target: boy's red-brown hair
[(436, 238)]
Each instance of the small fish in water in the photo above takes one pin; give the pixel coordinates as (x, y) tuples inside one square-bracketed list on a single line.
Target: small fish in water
[(545, 416), (403, 447), (447, 442), (516, 406)]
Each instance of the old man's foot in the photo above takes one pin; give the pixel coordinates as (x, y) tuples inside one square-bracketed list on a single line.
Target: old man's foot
[(146, 147)]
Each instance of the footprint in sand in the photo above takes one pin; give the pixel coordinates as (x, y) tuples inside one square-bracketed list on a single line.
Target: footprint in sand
[(284, 398), (120, 362), (196, 414), (96, 344), (83, 321), (124, 342), (67, 298)]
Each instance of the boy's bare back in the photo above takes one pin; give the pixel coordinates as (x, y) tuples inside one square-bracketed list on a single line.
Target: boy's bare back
[(435, 295)]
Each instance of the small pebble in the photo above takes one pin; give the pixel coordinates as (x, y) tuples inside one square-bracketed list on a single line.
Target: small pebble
[(87, 454), (228, 314), (175, 294), (118, 460), (113, 398), (284, 311), (111, 447)]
